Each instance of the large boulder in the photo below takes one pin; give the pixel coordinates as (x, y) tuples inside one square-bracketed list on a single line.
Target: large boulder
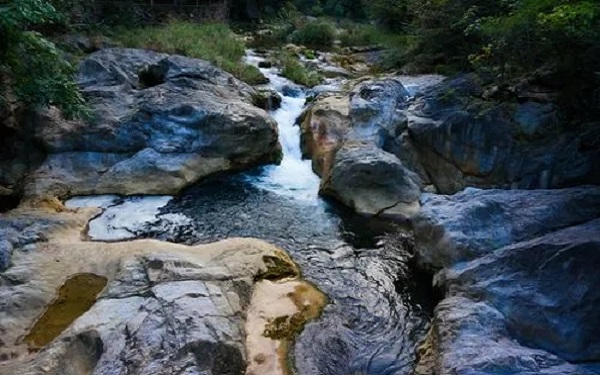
[(518, 272), (372, 182), (472, 223), (346, 135), (472, 338), (377, 110), (69, 307), (467, 137), (324, 128), (545, 288), (155, 117)]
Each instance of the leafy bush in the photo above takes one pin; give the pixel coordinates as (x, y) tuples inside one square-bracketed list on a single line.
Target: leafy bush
[(32, 70), (293, 70), (318, 35), (215, 43), (360, 35)]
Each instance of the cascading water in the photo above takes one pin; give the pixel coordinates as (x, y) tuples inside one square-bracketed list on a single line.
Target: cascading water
[(376, 313)]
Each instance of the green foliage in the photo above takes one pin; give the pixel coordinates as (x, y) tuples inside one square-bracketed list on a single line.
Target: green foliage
[(507, 38), (215, 43), (32, 70), (360, 35), (293, 70), (318, 35)]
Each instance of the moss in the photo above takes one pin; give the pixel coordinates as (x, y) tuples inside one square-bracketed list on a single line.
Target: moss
[(447, 96), (309, 301), (75, 297), (285, 327), (277, 267)]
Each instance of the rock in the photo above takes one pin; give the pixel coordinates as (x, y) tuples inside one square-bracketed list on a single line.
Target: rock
[(346, 136), (158, 117), (334, 72), (6, 250), (496, 143), (377, 110), (166, 308), (517, 268), (4, 191), (266, 64), (373, 182), (536, 119), (545, 289), (472, 338), (473, 223), (268, 99), (324, 128)]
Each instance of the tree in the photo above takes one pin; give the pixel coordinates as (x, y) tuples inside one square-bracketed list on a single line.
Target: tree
[(33, 71)]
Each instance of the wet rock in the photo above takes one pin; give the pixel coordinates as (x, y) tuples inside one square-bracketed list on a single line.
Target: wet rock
[(334, 72), (157, 117), (377, 110), (268, 99), (473, 223), (6, 250), (324, 129), (166, 309), (517, 268), (372, 114), (546, 290), (473, 338), (265, 64), (372, 181), (496, 142)]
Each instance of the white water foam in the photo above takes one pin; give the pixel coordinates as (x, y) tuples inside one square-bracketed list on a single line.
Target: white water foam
[(124, 218), (294, 177)]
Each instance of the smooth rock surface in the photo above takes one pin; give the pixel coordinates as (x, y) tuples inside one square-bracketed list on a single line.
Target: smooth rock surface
[(473, 223), (518, 269), (545, 288), (168, 120), (470, 338), (465, 140), (167, 309), (345, 135), (372, 181)]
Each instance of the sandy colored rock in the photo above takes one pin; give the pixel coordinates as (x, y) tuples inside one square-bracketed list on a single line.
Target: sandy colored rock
[(166, 309)]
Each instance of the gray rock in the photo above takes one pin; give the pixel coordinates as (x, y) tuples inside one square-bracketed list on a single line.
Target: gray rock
[(6, 250), (471, 338), (377, 110), (473, 223), (372, 182), (159, 116), (493, 143), (545, 288)]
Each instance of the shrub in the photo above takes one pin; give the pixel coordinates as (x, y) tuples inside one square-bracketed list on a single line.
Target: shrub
[(360, 35), (215, 43), (32, 70), (317, 35), (293, 70)]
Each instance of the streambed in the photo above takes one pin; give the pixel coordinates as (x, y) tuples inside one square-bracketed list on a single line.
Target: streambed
[(378, 308)]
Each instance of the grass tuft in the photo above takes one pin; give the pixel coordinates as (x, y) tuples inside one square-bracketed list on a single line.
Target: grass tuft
[(292, 69), (215, 43)]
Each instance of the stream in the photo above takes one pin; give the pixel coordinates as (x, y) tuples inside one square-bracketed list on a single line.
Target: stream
[(378, 308)]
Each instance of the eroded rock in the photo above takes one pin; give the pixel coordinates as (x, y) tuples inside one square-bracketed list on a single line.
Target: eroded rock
[(466, 137), (372, 181), (156, 118), (167, 309), (473, 223)]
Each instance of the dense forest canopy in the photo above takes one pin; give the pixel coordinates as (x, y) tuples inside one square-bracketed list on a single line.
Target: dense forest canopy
[(555, 39)]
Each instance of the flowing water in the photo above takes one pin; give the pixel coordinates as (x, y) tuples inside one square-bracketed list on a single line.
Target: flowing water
[(377, 311)]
